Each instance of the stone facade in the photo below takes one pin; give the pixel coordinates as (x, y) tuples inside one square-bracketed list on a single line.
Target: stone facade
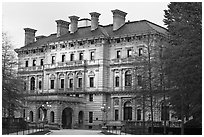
[(69, 76)]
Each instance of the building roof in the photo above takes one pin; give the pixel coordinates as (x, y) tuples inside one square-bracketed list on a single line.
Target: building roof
[(129, 28)]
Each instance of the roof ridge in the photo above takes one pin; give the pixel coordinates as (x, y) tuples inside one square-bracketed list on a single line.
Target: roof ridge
[(156, 25)]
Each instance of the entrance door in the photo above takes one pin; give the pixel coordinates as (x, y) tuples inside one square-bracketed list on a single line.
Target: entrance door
[(127, 111), (67, 118), (81, 115)]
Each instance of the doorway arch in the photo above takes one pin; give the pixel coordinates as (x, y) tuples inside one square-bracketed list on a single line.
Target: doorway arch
[(127, 110), (81, 119), (67, 118)]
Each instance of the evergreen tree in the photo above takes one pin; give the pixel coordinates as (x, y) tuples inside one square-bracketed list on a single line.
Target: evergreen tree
[(12, 85), (183, 64)]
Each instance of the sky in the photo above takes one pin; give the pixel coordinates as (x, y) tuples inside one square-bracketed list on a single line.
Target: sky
[(42, 15)]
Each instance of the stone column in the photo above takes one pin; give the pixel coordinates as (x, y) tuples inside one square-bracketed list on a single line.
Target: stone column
[(120, 108), (57, 82), (74, 80), (134, 109), (113, 76), (65, 81), (36, 84), (28, 86), (121, 80), (48, 81), (112, 109)]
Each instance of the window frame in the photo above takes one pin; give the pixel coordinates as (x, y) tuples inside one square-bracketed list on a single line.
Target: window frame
[(26, 63), (92, 55), (91, 82), (118, 54), (117, 81), (63, 57), (53, 59), (52, 84)]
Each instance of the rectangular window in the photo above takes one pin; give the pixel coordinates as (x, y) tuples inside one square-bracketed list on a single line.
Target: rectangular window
[(90, 97), (81, 56), (52, 84), (63, 58), (40, 85), (92, 55), (53, 59), (139, 114), (139, 80), (118, 54), (34, 62), (116, 115), (91, 79), (71, 57), (140, 51), (117, 81), (90, 117), (70, 83), (41, 62), (26, 63), (79, 82), (129, 53), (62, 83)]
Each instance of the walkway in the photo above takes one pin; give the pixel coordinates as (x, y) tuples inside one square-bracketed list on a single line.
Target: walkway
[(75, 132)]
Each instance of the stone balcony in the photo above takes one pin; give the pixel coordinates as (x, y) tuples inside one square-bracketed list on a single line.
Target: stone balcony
[(56, 98), (122, 61), (33, 68), (77, 63)]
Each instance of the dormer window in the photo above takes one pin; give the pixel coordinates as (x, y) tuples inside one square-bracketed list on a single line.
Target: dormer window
[(71, 44), (53, 47), (118, 40), (62, 45), (92, 41), (128, 39)]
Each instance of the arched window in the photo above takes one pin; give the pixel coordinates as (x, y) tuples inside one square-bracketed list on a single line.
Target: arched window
[(52, 116), (128, 111), (31, 116), (32, 83), (128, 78)]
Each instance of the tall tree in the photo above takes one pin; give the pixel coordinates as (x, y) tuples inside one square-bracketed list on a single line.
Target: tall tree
[(12, 85), (184, 58)]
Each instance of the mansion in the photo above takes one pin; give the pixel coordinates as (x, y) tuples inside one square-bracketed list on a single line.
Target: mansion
[(86, 74)]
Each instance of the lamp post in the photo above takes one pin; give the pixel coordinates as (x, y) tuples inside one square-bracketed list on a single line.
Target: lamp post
[(105, 110)]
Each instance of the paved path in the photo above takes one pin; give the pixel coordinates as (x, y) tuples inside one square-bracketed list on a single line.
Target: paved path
[(75, 132)]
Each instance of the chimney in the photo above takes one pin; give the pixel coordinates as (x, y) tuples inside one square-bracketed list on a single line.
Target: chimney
[(118, 19), (74, 23), (94, 20), (62, 27), (29, 35)]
